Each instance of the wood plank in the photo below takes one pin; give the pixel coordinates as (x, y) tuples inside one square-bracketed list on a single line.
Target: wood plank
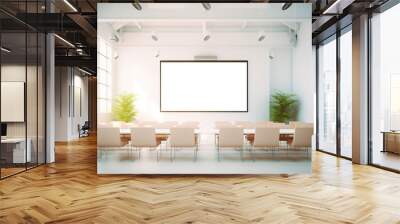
[(70, 191)]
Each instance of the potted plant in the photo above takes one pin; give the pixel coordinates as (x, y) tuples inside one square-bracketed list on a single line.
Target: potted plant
[(284, 107), (124, 107)]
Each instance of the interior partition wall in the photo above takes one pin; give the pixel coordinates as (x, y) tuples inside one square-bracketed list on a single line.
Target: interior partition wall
[(22, 76), (334, 89)]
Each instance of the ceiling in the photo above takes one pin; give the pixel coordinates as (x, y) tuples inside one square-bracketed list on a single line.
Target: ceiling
[(78, 24)]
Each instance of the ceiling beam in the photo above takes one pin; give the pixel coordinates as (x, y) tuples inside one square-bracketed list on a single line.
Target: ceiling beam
[(84, 24)]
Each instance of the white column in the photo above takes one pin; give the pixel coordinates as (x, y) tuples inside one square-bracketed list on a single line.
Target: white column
[(50, 99), (360, 90)]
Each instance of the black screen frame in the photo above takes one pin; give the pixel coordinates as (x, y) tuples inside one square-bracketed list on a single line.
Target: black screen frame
[(208, 61)]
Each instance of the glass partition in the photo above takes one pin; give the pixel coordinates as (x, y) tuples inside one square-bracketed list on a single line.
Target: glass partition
[(22, 77)]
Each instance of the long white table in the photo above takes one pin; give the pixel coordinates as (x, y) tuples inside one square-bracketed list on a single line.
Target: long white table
[(166, 131), (18, 150)]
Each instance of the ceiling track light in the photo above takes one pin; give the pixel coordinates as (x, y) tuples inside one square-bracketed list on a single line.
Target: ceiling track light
[(286, 5), (261, 36), (70, 5), (205, 35), (206, 6), (154, 36), (65, 41), (137, 5), (5, 50)]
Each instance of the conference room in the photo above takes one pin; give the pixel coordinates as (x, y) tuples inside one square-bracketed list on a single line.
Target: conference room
[(186, 88)]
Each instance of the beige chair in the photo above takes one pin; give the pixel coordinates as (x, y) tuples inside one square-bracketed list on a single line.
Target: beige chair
[(245, 124), (167, 124), (108, 138), (266, 138), (278, 125), (144, 137), (263, 123), (222, 124), (183, 137), (230, 137), (153, 124), (190, 124), (302, 138), (296, 124)]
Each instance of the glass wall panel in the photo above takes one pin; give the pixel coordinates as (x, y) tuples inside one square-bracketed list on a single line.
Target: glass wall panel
[(41, 98), (385, 89), (31, 97), (22, 88), (13, 86), (346, 94), (327, 96)]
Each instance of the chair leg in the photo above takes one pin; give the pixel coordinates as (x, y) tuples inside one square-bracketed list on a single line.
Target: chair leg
[(219, 159), (251, 153), (170, 153)]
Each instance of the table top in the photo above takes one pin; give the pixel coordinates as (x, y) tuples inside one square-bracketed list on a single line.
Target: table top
[(13, 140), (391, 132), (166, 131)]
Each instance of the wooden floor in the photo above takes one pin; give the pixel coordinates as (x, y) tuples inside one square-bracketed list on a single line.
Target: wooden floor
[(70, 191)]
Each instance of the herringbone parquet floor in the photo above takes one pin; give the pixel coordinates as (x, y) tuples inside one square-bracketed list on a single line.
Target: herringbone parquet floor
[(70, 191)]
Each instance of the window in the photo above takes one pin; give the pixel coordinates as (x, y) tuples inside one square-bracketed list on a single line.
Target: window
[(346, 94), (327, 96), (385, 89), (104, 66)]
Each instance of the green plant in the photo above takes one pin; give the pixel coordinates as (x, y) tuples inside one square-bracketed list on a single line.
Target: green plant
[(284, 107), (124, 107)]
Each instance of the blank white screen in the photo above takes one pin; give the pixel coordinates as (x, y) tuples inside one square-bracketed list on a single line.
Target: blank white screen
[(204, 86)]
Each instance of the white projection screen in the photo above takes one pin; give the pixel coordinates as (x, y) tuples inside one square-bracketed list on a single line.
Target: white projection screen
[(203, 86)]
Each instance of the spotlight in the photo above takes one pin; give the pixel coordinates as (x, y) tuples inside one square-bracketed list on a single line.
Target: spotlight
[(286, 5), (271, 55), (206, 35), (206, 6), (154, 36), (137, 5), (114, 37), (261, 36)]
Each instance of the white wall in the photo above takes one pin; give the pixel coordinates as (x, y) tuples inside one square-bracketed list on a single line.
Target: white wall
[(281, 73), (304, 72), (66, 121), (138, 71)]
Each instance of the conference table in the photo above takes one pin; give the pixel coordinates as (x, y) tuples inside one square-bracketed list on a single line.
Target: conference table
[(286, 134), (246, 131)]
